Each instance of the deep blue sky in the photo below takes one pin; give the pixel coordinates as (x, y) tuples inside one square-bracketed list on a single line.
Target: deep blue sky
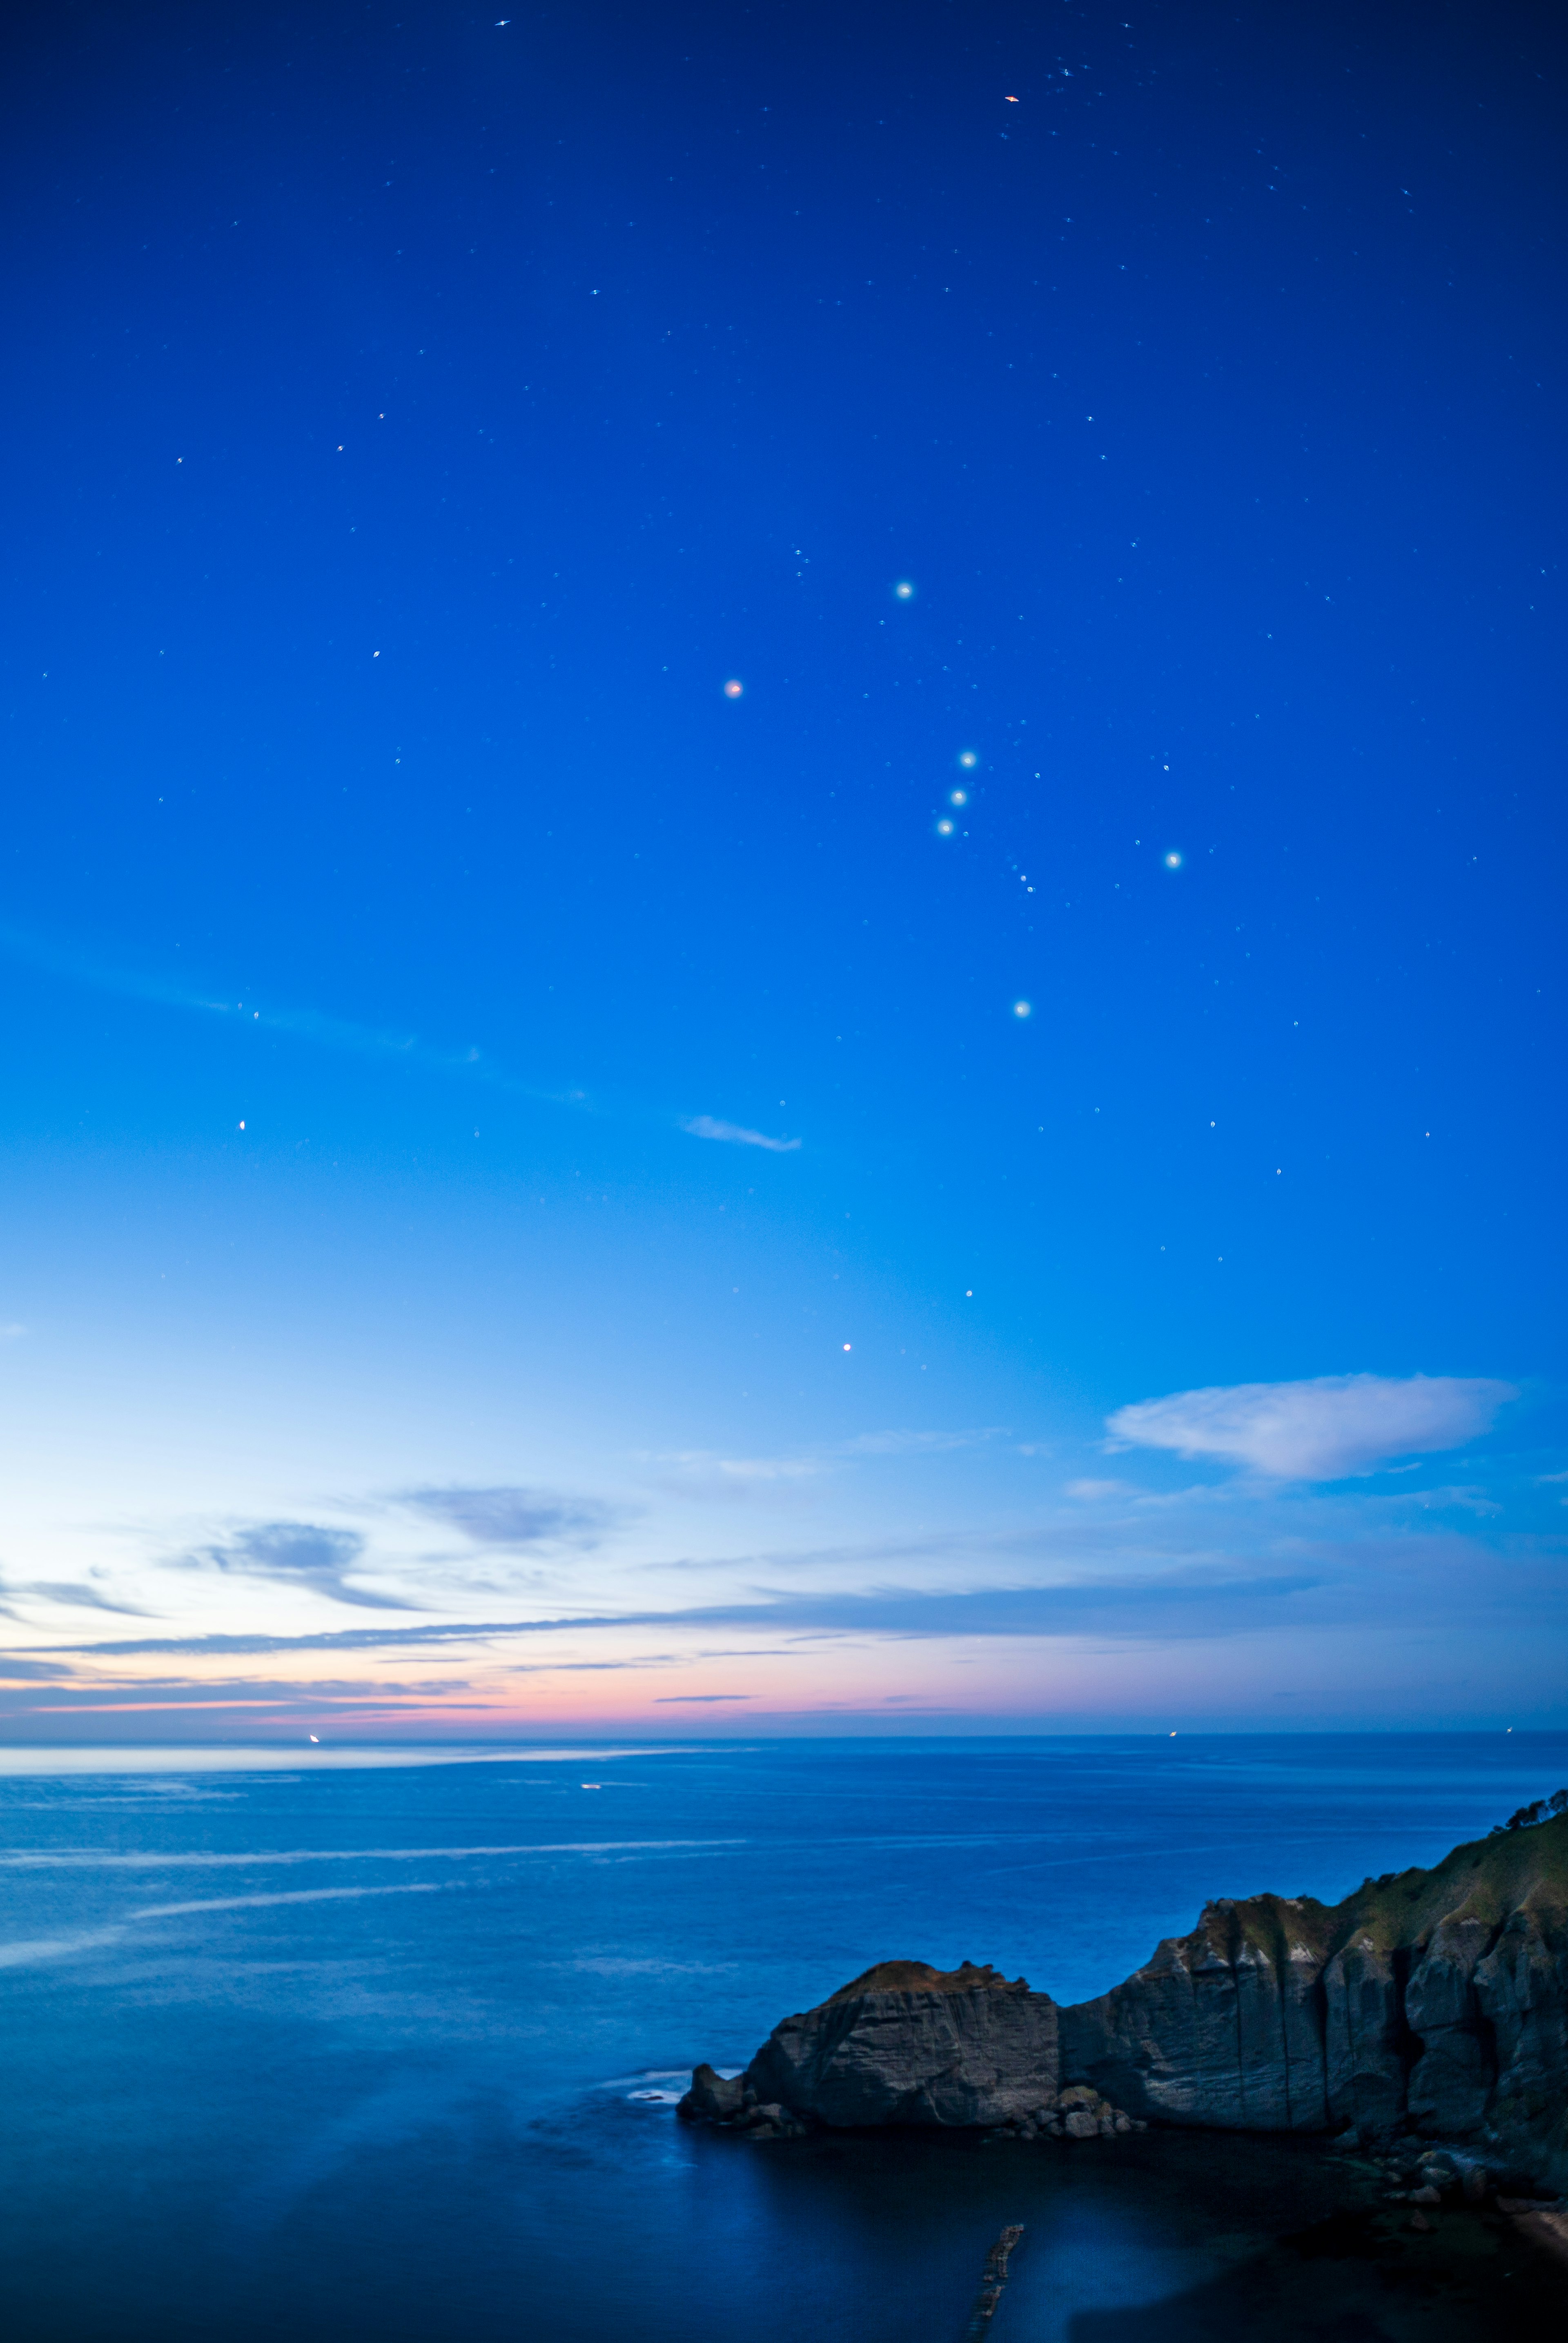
[(413, 422)]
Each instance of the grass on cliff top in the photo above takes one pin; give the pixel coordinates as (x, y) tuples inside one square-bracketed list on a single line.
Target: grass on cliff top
[(1485, 1880), (919, 1976)]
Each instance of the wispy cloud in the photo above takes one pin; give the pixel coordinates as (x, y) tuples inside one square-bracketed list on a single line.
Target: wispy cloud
[(1317, 1431), (917, 1443), (77, 1592), (708, 1126), (303, 1554), (513, 1517), (704, 1463), (341, 1034), (1221, 1596)]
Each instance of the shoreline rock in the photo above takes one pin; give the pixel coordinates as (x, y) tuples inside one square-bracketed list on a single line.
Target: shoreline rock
[(1431, 2006)]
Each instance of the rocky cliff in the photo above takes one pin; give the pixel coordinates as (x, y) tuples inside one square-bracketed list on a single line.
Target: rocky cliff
[(1435, 2002)]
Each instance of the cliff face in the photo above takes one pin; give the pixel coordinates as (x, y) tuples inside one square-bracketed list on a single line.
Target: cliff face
[(906, 2043), (1436, 2001)]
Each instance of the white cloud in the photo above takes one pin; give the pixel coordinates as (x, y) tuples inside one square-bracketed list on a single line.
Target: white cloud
[(705, 1126), (1316, 1431)]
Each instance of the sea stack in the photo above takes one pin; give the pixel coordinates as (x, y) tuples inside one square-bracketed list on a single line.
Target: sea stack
[(909, 2043)]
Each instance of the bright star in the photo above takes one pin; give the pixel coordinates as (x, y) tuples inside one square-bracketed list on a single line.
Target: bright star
[(903, 591), (1023, 1009), (968, 758), (733, 689), (959, 797), (944, 829), (1172, 860)]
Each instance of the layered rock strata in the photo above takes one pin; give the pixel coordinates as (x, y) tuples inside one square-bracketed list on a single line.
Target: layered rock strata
[(1434, 2002)]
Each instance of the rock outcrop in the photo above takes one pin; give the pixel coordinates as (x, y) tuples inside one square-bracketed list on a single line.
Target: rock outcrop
[(1434, 2002), (907, 2044)]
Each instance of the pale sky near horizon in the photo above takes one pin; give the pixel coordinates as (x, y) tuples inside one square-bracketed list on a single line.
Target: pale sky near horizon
[(782, 937)]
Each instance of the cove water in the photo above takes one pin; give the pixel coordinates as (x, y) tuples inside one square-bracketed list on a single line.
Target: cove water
[(336, 2046)]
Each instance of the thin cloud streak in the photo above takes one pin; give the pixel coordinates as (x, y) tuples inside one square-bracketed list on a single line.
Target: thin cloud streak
[(986, 1611), (77, 1592), (337, 1033), (340, 1034), (322, 1032), (735, 1134)]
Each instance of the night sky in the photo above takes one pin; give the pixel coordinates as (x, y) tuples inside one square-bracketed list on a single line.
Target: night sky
[(783, 841)]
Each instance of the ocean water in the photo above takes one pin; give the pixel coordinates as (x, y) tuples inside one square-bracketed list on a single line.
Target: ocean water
[(317, 2050)]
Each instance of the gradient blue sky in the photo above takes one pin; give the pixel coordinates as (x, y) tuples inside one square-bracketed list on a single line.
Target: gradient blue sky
[(530, 1200)]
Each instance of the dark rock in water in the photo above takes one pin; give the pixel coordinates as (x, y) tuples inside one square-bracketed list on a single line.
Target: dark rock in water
[(711, 2099), (907, 2043), (1433, 2003), (727, 2101)]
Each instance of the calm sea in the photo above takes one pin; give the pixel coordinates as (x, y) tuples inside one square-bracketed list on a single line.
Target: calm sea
[(392, 2050)]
